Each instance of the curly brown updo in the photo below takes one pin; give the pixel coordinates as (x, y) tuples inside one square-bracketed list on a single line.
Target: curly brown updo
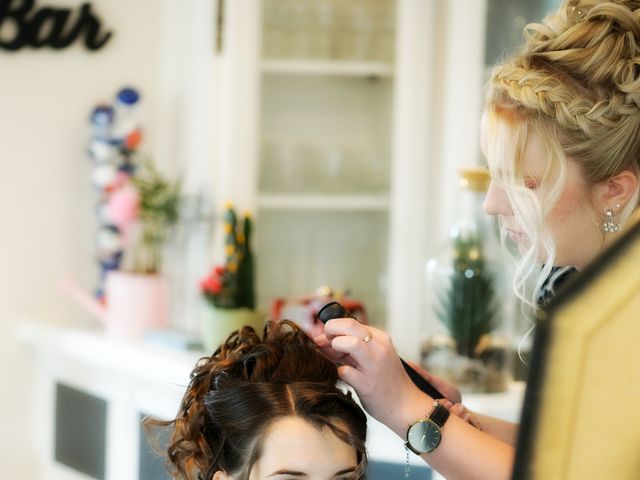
[(247, 384)]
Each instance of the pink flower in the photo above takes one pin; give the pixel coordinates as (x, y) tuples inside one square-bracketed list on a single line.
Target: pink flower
[(123, 206)]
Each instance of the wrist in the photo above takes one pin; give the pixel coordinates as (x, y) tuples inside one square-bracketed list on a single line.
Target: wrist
[(416, 406), (425, 435)]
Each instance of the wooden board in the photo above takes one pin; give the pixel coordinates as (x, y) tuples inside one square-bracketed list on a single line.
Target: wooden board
[(581, 415)]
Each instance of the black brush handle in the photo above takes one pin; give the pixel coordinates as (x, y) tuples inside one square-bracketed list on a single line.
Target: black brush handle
[(336, 310)]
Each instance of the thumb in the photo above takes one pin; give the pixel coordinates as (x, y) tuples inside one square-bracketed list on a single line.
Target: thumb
[(322, 341), (351, 376), (331, 354)]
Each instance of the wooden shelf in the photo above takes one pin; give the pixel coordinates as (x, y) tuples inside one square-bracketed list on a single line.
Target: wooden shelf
[(327, 67), (325, 202)]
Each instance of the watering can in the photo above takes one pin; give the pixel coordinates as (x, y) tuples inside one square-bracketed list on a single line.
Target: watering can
[(135, 303)]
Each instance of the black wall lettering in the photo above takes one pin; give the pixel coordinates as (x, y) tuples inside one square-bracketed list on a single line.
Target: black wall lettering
[(49, 26), (16, 15), (47, 19), (92, 25)]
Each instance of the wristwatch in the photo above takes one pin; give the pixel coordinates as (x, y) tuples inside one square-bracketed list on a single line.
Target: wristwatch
[(425, 435)]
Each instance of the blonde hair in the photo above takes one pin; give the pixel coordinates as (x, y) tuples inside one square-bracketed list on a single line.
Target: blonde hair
[(576, 83)]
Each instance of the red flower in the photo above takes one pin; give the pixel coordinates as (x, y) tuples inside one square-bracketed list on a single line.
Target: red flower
[(211, 284), (215, 285)]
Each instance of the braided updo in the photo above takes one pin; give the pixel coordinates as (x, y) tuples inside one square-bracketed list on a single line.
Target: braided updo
[(576, 83), (248, 383), (580, 70)]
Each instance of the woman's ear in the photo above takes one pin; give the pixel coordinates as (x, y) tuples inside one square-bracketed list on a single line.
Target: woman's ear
[(220, 475), (615, 192)]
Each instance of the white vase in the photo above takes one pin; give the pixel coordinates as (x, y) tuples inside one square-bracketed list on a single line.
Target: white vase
[(135, 303)]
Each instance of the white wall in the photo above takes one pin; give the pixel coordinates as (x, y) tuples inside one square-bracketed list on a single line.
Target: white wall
[(46, 200)]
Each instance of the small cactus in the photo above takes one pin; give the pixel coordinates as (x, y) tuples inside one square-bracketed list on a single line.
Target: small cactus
[(246, 290), (232, 286)]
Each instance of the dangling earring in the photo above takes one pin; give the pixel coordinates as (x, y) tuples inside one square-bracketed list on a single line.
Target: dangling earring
[(609, 225)]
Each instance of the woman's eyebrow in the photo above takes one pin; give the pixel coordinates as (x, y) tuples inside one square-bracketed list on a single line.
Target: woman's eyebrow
[(287, 472), (346, 470), (302, 474)]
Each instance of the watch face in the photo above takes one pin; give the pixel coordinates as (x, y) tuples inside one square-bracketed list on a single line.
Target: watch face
[(424, 436)]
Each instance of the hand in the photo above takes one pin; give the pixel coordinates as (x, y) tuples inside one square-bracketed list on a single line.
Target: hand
[(468, 416), (459, 410), (453, 402), (450, 391), (374, 370)]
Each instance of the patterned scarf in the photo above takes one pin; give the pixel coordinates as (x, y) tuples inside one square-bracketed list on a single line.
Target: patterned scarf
[(556, 278)]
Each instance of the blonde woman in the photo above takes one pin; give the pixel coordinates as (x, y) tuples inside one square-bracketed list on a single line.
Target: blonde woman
[(561, 134)]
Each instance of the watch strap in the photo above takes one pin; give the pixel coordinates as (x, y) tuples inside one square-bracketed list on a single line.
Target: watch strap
[(439, 415)]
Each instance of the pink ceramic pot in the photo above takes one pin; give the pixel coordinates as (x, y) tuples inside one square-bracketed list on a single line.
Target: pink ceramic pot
[(135, 303)]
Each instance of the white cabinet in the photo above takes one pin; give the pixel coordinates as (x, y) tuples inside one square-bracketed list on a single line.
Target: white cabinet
[(93, 391), (340, 155), (349, 161), (308, 145), (91, 394)]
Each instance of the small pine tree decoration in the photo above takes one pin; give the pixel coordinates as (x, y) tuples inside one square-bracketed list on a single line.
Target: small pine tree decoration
[(467, 307)]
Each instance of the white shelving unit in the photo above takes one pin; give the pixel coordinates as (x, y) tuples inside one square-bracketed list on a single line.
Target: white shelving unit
[(327, 67), (430, 98), (311, 229), (323, 171), (335, 202)]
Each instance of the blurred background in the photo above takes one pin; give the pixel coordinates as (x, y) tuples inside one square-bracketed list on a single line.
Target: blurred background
[(341, 126)]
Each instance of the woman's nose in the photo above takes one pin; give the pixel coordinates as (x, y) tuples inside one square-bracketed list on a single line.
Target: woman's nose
[(496, 201)]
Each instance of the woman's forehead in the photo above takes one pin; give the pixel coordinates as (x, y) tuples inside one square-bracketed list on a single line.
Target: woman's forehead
[(535, 160), (516, 145), (294, 444)]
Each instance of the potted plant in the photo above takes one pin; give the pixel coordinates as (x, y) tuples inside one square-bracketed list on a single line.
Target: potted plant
[(229, 289), (158, 211), (144, 207)]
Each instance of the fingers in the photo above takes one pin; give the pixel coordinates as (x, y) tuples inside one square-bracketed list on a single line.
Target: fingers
[(473, 420), (345, 326), (360, 352), (459, 410), (331, 354), (322, 341), (344, 342), (351, 376), (446, 404)]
